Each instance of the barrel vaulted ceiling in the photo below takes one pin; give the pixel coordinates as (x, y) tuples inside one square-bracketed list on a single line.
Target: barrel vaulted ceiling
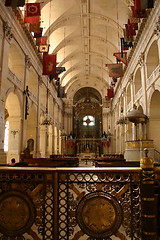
[(84, 34)]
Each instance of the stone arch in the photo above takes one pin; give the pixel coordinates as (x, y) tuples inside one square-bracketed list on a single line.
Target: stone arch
[(152, 58), (128, 94), (12, 105), (154, 119), (137, 81)]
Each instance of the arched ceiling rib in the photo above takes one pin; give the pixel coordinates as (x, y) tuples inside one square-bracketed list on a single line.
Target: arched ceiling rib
[(84, 34)]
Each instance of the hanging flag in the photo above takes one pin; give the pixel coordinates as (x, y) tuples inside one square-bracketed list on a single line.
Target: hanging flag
[(49, 64), (143, 4), (125, 45), (57, 82), (60, 70), (61, 92), (43, 48), (51, 77), (110, 93), (121, 57), (34, 27), (39, 34), (146, 4), (14, 3), (41, 41), (115, 70), (133, 19), (126, 37), (108, 142), (141, 13), (114, 79), (131, 28), (33, 9), (113, 84), (35, 19)]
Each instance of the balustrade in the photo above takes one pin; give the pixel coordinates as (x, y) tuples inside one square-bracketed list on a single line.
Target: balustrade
[(70, 203), (155, 74), (14, 79)]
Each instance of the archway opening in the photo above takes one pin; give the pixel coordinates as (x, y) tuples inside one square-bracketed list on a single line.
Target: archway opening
[(87, 119)]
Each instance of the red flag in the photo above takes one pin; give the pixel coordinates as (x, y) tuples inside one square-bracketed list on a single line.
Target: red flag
[(35, 19), (110, 93), (137, 4), (133, 11), (41, 41), (39, 34), (108, 143), (34, 27), (130, 28), (140, 12), (49, 64), (33, 9)]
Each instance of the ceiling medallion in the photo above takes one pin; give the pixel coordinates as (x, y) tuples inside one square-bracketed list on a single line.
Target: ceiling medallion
[(99, 214), (17, 213)]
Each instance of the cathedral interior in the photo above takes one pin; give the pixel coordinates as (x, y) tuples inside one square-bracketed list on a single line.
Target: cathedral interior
[(79, 119)]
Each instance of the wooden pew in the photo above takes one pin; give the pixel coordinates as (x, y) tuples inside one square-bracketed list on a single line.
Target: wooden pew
[(118, 164), (48, 162)]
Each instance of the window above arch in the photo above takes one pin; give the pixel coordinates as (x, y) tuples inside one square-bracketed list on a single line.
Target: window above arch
[(89, 121)]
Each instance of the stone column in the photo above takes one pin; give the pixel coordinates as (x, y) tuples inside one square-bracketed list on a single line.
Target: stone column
[(157, 33), (5, 45), (37, 144), (132, 88), (23, 120), (143, 81), (53, 125)]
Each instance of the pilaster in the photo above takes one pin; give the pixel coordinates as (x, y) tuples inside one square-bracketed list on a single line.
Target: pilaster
[(143, 81), (26, 76), (6, 40)]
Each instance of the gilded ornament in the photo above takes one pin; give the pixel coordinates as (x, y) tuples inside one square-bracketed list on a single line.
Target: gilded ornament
[(17, 213), (99, 214)]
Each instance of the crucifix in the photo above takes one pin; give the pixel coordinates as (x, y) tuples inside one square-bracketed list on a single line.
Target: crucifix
[(26, 92)]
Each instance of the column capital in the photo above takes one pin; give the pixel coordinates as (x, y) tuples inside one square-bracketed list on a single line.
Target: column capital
[(7, 32), (131, 78), (27, 62), (157, 28), (141, 59), (40, 81)]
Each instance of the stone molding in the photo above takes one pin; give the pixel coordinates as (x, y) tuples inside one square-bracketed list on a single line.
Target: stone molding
[(141, 59), (157, 28), (7, 31), (27, 62)]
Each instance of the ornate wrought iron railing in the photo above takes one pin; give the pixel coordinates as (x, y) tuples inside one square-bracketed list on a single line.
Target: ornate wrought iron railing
[(72, 203)]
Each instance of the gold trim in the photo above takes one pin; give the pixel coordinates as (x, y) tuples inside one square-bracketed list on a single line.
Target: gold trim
[(147, 182), (148, 199), (148, 216), (149, 233), (132, 144)]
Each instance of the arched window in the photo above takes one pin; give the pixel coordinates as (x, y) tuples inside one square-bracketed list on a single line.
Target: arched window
[(6, 136), (89, 120)]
